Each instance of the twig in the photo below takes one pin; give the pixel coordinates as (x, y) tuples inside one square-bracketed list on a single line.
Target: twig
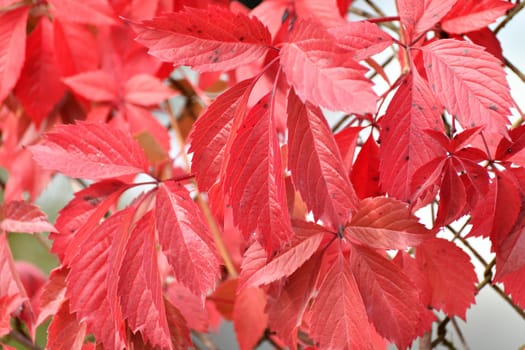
[(205, 340), (498, 290), (509, 17), (514, 69), (23, 339), (460, 334)]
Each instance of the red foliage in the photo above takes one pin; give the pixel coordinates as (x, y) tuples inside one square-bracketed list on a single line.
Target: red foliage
[(315, 214)]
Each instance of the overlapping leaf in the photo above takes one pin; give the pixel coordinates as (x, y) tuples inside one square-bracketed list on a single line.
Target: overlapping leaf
[(95, 12), (404, 145), (419, 16), (385, 223), (90, 150), (210, 39), (255, 180), (20, 216), (470, 15), (316, 165)]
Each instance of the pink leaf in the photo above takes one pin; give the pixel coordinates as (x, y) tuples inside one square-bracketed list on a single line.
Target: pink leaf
[(95, 12), (316, 165), (211, 39), (404, 145), (90, 150), (391, 299), (470, 83), (469, 15), (12, 48), (385, 223), (20, 216), (139, 285), (325, 12), (97, 85), (185, 240), (146, 90), (324, 73), (256, 182), (363, 38), (419, 16)]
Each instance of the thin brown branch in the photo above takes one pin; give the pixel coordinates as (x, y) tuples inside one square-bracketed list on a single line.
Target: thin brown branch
[(515, 69), (368, 15), (205, 340), (23, 339), (376, 8), (509, 301), (460, 334), (509, 17)]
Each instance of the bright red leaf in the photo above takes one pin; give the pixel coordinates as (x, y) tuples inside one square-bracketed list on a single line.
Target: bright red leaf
[(365, 172), (419, 16), (39, 87), (65, 332), (210, 39), (12, 48), (97, 85), (447, 267), (95, 12), (249, 317)]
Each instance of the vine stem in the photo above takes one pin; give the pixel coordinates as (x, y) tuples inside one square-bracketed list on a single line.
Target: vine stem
[(203, 204)]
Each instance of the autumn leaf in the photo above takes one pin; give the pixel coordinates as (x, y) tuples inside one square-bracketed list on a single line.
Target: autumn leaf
[(210, 39), (90, 150)]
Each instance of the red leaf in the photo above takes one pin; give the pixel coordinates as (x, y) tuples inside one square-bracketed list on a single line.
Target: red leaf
[(469, 15), (249, 317), (95, 12), (344, 323), (515, 286), (89, 285), (53, 295), (316, 165), (346, 141), (392, 302), (286, 311), (146, 90), (12, 48), (81, 214), (488, 39), (12, 294), (419, 16), (211, 132), (452, 197), (39, 87), (363, 38), (324, 12), (447, 268), (385, 223), (211, 39), (185, 240), (64, 332), (496, 214), (97, 85), (75, 48), (404, 145), (255, 180), (365, 172), (90, 150), (139, 285), (284, 264), (470, 83), (20, 216), (323, 73)]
